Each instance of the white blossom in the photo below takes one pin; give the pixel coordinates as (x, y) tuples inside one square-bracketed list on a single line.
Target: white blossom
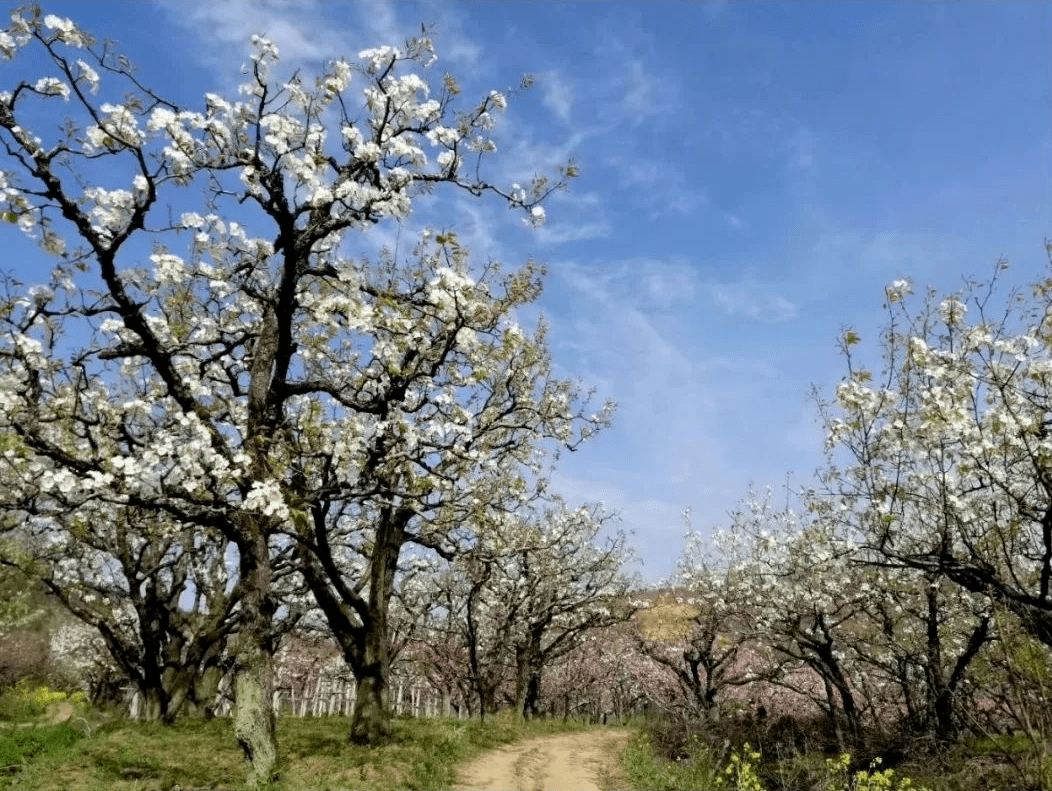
[(65, 30), (52, 86), (378, 58)]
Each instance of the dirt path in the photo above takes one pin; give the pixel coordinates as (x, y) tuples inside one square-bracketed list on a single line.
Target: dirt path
[(564, 762)]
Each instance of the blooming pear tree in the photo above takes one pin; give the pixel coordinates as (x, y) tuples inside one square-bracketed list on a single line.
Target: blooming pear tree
[(77, 656), (160, 597), (17, 608), (573, 582), (454, 404), (607, 675), (803, 593), (871, 646), (533, 593), (481, 625), (916, 644), (192, 346), (942, 454), (713, 647)]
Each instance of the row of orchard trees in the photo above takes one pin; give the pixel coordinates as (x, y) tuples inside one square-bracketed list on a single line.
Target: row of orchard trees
[(909, 591), (216, 419), (520, 603)]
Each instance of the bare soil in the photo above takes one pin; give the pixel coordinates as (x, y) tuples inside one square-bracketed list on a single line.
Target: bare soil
[(564, 762)]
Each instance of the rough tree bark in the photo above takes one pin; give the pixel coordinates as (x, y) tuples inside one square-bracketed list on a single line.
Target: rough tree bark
[(254, 664)]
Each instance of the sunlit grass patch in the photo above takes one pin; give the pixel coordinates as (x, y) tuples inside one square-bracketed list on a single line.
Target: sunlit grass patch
[(22, 745), (313, 754), (128, 755)]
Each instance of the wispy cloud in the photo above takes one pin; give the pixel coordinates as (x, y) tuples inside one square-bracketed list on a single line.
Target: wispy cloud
[(733, 220), (561, 232), (299, 30), (756, 131), (557, 94), (633, 89), (308, 32), (752, 301), (801, 145), (656, 184), (649, 284), (928, 258), (617, 322)]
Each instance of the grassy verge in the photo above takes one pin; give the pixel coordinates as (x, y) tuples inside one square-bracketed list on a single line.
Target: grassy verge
[(974, 765), (314, 754), (741, 770), (20, 746), (645, 769)]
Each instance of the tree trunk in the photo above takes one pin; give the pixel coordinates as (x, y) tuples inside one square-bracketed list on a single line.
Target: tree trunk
[(521, 676), (177, 684), (533, 695), (206, 687), (153, 705), (527, 693), (365, 645), (254, 717), (254, 665), (371, 721), (529, 666)]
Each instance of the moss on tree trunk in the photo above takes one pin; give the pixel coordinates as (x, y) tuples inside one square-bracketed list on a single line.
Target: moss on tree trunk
[(254, 664), (254, 720), (371, 721)]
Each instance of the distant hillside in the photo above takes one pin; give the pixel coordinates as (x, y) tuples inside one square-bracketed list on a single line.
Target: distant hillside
[(667, 616)]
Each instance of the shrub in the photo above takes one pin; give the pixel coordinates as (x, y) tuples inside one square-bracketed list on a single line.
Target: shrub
[(677, 754), (27, 701), (841, 779)]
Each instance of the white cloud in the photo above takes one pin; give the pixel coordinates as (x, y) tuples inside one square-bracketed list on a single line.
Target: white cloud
[(801, 148), (569, 231), (382, 25), (557, 95), (757, 131), (889, 255), (307, 33), (647, 284), (656, 184), (749, 300), (298, 29), (634, 89)]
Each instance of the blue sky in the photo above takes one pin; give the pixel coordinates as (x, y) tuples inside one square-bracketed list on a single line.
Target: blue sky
[(753, 175)]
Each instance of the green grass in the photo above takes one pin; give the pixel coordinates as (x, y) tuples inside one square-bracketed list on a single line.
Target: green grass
[(16, 706), (645, 769), (1007, 763), (87, 754), (313, 754), (21, 745)]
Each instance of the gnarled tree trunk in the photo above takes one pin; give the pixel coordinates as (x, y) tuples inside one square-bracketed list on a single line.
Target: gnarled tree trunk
[(254, 665), (371, 720)]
